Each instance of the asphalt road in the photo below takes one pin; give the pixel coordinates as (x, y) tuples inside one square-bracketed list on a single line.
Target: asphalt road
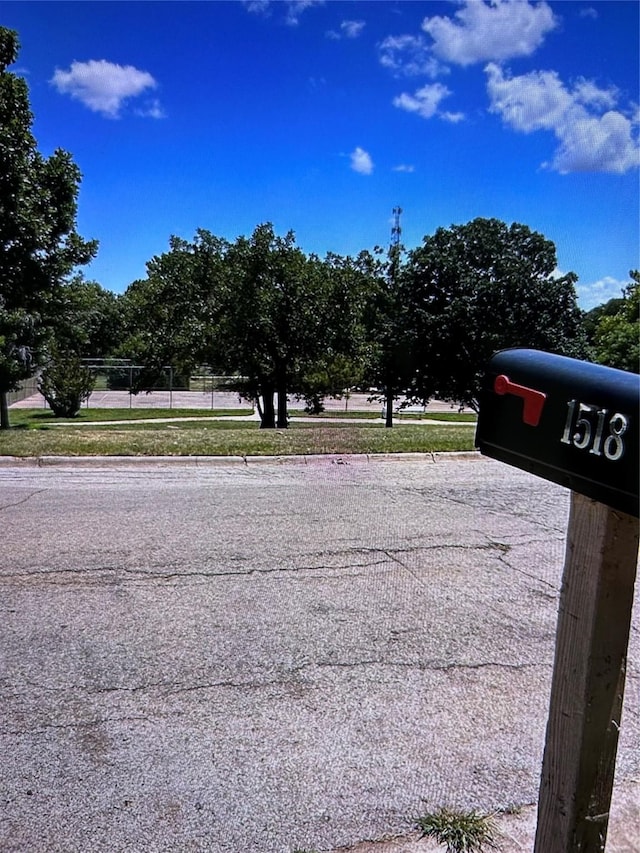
[(259, 658)]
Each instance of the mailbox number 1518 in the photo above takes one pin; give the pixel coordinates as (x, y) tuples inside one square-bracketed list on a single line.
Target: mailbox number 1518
[(602, 436)]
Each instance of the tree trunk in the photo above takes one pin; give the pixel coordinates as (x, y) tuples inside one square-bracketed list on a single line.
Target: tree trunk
[(283, 420), (268, 414), (4, 410), (388, 396)]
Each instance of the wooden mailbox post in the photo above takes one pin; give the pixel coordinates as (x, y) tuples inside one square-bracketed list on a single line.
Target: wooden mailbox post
[(576, 424)]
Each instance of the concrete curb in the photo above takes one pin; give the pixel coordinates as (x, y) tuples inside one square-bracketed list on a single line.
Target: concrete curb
[(206, 461)]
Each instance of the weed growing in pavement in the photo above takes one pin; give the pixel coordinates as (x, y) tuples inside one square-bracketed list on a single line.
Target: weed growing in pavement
[(512, 809), (461, 832)]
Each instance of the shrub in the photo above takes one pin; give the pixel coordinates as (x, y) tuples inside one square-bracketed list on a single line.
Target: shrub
[(65, 384)]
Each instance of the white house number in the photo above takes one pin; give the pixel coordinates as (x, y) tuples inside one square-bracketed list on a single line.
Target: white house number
[(593, 429)]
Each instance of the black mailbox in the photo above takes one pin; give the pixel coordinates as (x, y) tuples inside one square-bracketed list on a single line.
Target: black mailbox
[(569, 421)]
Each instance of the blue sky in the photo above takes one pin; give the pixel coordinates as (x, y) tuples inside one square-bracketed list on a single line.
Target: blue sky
[(322, 116)]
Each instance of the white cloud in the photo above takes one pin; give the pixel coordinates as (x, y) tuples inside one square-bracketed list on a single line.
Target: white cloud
[(352, 29), (589, 12), (409, 56), (589, 94), (348, 30), (498, 30), (452, 118), (361, 161), (152, 110), (257, 7), (295, 8), (598, 292), (534, 101), (589, 140), (102, 86), (597, 144), (424, 101), (404, 167)]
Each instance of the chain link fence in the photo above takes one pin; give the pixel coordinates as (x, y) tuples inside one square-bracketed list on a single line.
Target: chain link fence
[(119, 383), (27, 389)]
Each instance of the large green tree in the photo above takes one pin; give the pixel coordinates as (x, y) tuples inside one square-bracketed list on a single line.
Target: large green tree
[(615, 329), (86, 318), (39, 244), (389, 364), (473, 289), (258, 307), (274, 319), (346, 349), (171, 317)]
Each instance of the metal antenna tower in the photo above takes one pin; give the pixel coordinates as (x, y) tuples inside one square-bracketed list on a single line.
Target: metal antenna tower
[(396, 230), (390, 346), (394, 249)]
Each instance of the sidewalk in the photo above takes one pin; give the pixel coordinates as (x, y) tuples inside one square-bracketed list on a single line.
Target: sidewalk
[(221, 400), (256, 418)]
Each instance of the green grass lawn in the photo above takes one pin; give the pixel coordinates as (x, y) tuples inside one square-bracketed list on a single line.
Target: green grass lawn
[(37, 433)]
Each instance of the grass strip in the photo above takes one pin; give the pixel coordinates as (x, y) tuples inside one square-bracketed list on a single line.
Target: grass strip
[(220, 438)]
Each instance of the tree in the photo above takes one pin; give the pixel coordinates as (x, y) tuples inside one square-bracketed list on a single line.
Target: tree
[(344, 360), (285, 323), (477, 288), (390, 351), (616, 329), (85, 323), (171, 317), (66, 383), (593, 317), (273, 320), (39, 244), (85, 319)]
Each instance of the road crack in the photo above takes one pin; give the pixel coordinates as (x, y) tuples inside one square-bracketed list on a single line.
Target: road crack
[(500, 510), (22, 500), (392, 553), (555, 587), (283, 678), (78, 724), (427, 666), (371, 558), (102, 572)]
